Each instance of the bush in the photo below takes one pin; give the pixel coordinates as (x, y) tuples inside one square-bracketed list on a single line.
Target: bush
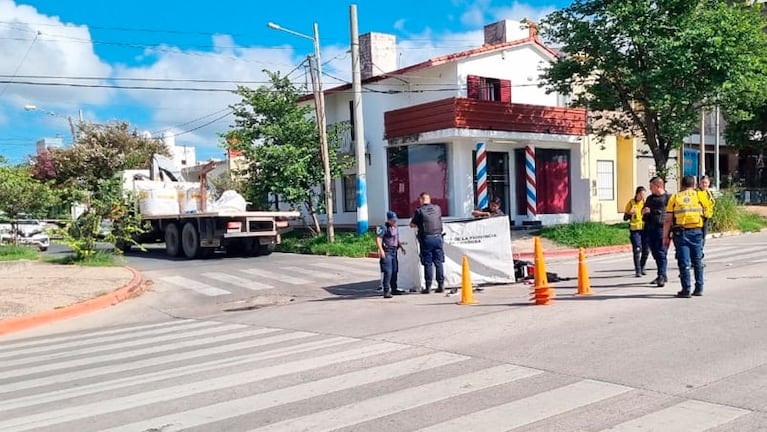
[(588, 234), (726, 213), (346, 244)]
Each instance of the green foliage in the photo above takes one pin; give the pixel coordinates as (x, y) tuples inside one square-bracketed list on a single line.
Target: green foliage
[(726, 213), (646, 67), (14, 253), (346, 244), (588, 234), (20, 192), (279, 138), (749, 131), (751, 222), (100, 258)]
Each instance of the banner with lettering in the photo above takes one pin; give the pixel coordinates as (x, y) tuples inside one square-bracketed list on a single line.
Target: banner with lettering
[(486, 242)]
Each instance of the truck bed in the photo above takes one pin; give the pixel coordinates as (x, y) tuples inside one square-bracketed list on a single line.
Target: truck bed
[(235, 214)]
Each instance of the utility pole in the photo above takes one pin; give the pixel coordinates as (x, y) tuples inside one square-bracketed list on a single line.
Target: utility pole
[(716, 149), (702, 142), (320, 112), (359, 127)]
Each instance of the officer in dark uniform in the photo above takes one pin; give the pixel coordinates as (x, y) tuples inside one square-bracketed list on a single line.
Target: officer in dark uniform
[(428, 220), (654, 216), (387, 240), (492, 210)]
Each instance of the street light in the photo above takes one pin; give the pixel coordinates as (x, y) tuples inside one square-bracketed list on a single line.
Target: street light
[(30, 107), (319, 103)]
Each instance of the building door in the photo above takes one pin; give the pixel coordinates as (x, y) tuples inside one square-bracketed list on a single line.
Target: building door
[(497, 178)]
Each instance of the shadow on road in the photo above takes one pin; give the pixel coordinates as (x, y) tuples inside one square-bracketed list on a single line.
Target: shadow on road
[(351, 291)]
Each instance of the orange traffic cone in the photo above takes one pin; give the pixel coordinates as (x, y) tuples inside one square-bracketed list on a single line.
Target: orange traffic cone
[(542, 293), (584, 285), (467, 293)]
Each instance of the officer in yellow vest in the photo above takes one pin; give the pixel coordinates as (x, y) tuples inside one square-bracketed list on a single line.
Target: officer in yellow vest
[(639, 245), (684, 224)]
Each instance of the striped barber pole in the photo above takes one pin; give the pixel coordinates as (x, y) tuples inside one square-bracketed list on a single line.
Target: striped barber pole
[(482, 201), (532, 202)]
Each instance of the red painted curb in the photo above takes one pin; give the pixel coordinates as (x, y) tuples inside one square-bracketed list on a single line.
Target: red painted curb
[(132, 289), (560, 253)]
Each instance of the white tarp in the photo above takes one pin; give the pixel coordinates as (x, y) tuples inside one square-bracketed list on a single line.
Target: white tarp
[(486, 242)]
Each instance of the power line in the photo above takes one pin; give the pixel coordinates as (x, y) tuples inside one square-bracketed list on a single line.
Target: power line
[(94, 78), (194, 120), (204, 124), (23, 59)]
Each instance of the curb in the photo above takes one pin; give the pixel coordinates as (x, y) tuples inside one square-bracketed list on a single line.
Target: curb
[(133, 288), (14, 266)]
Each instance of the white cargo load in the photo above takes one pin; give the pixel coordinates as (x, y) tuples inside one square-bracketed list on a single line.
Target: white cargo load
[(156, 198)]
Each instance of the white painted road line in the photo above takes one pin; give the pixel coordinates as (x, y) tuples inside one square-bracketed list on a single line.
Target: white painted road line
[(347, 269), (688, 416), (237, 281), (281, 277), (532, 409), (195, 286)]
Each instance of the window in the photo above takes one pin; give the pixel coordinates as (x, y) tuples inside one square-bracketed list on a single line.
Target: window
[(552, 178), (350, 193), (414, 169), (351, 118), (605, 180), (489, 89)]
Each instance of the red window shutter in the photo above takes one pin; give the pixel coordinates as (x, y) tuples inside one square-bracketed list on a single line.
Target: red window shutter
[(505, 91), (472, 86)]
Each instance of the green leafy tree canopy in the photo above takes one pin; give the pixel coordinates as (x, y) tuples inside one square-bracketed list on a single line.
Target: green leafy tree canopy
[(647, 67)]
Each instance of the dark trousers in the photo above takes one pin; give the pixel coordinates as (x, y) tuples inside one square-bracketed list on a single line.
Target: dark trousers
[(654, 238), (432, 257), (389, 268), (689, 253), (706, 223), (640, 248)]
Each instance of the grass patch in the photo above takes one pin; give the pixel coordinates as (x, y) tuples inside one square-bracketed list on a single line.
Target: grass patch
[(588, 234), (729, 216), (346, 244), (99, 259), (15, 253), (751, 222)]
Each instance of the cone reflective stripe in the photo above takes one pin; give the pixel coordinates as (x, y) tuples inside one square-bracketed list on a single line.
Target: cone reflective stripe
[(584, 284), (467, 292), (542, 293)]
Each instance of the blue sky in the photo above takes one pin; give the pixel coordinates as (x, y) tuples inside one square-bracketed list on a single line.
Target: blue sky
[(109, 42)]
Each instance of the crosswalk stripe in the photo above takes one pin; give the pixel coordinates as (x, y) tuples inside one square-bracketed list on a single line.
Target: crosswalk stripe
[(54, 417), (343, 269), (402, 400), (237, 281), (224, 410), (739, 256), (688, 416), (532, 409), (133, 353), (110, 385), (84, 341), (276, 276), (195, 286), (8, 347), (220, 348), (314, 274), (208, 328)]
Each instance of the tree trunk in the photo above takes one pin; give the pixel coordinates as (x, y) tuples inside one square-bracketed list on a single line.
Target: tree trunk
[(313, 214)]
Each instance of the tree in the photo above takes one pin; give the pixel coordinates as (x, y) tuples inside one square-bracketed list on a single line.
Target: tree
[(21, 193), (279, 138), (647, 67)]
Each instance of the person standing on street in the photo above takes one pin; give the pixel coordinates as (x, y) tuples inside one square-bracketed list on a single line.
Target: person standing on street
[(684, 224), (703, 188), (387, 240), (633, 214), (428, 220), (492, 210), (653, 216)]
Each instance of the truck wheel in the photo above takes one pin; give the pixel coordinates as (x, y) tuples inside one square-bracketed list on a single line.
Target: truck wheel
[(266, 249), (190, 241), (172, 240), (123, 246)]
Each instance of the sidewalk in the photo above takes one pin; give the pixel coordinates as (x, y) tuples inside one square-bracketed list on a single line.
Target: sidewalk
[(35, 293), (522, 248)]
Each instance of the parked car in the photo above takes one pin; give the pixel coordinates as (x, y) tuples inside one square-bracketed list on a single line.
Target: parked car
[(29, 232)]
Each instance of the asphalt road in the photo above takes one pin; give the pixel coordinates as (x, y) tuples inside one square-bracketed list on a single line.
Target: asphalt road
[(322, 351)]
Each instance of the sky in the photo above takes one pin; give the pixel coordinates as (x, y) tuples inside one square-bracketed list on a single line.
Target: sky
[(96, 50)]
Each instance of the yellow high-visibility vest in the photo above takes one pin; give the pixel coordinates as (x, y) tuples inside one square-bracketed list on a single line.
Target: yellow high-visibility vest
[(635, 222)]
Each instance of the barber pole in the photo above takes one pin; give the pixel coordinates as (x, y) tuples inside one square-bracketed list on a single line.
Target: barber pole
[(532, 201), (482, 201)]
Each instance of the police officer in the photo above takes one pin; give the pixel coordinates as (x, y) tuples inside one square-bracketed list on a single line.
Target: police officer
[(428, 220), (684, 224), (654, 212), (387, 240), (703, 187), (633, 214)]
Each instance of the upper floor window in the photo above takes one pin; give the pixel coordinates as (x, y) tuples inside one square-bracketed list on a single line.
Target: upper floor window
[(489, 89)]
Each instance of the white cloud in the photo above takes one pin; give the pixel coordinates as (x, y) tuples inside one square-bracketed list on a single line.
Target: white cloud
[(34, 44), (518, 11), (399, 25)]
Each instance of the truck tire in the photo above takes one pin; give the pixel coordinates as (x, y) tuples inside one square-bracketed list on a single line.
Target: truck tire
[(172, 240), (123, 246), (190, 241), (266, 249)]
